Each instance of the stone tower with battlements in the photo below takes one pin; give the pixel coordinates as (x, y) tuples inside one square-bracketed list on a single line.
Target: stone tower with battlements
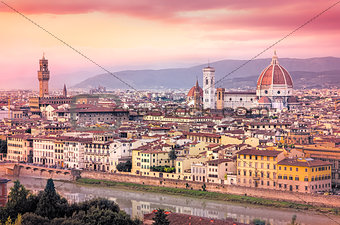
[(43, 77)]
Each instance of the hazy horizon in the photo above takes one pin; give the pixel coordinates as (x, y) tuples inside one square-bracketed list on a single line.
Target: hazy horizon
[(149, 34)]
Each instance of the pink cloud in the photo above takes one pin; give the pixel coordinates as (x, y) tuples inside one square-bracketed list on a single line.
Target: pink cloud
[(262, 14)]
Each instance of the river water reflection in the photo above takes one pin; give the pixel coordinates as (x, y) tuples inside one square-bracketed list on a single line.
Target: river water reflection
[(138, 203)]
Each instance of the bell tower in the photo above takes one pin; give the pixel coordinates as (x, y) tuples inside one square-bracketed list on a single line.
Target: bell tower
[(43, 77), (209, 91)]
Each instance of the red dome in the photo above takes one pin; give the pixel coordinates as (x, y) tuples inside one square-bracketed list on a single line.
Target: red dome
[(264, 100), (275, 74), (192, 90)]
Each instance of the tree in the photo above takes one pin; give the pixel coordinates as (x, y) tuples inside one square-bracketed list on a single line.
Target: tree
[(160, 218), (18, 200), (258, 222), (204, 187), (50, 204), (124, 167), (34, 219), (3, 146), (172, 155)]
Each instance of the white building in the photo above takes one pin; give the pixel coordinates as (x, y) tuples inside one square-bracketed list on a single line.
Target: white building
[(74, 149), (209, 91), (43, 151)]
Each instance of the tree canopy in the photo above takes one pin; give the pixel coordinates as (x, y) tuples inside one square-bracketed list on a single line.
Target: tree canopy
[(49, 208), (160, 218)]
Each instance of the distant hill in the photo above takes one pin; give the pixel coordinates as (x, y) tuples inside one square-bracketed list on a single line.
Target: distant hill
[(306, 73)]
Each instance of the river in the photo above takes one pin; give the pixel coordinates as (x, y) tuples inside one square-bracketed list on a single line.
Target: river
[(138, 203)]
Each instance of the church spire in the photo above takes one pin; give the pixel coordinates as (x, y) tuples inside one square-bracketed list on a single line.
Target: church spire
[(65, 91)]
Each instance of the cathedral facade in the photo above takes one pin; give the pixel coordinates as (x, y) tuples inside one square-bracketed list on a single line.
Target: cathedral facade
[(274, 90)]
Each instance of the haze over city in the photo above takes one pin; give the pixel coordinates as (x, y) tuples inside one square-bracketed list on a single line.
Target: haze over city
[(155, 34), (151, 112)]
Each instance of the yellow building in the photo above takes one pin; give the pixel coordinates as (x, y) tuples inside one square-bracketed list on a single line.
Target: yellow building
[(197, 148), (20, 148), (151, 158), (59, 153), (258, 168), (204, 137), (226, 140), (136, 160), (304, 175)]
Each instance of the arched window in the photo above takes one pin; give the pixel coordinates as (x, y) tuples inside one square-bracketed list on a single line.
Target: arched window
[(206, 82)]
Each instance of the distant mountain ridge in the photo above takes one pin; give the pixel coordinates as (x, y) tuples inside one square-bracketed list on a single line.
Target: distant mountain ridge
[(321, 72)]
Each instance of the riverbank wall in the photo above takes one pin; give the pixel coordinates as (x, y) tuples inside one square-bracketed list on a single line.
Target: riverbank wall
[(69, 175), (25, 170), (311, 199)]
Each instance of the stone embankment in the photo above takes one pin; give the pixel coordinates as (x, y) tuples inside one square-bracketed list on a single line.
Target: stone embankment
[(26, 170)]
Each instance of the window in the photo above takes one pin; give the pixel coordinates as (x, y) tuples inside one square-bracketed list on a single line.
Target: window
[(297, 169)]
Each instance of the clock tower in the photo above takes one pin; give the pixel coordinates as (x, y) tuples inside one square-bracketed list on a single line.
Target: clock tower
[(43, 77)]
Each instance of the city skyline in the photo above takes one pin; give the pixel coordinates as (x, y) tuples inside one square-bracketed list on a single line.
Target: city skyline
[(168, 35)]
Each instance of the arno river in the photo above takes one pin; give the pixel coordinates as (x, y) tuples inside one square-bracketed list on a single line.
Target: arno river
[(137, 203)]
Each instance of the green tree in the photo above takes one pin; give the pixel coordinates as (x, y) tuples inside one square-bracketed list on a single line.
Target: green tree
[(20, 200), (258, 222), (50, 204), (34, 219), (172, 155), (124, 167), (3, 146), (28, 131), (204, 187), (160, 218)]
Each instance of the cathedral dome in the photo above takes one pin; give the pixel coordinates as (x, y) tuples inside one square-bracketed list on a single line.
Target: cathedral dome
[(274, 75), (191, 93)]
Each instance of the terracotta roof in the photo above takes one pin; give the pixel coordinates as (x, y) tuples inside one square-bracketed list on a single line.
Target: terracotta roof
[(259, 152), (264, 100), (218, 161), (275, 74), (303, 162)]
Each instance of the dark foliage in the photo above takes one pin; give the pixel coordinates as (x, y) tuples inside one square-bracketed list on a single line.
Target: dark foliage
[(3, 146), (124, 167), (48, 208), (50, 204), (160, 218)]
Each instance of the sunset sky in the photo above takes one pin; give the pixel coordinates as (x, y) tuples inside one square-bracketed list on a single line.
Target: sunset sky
[(142, 34)]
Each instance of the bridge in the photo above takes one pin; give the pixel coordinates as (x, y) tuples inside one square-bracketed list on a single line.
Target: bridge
[(21, 169)]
